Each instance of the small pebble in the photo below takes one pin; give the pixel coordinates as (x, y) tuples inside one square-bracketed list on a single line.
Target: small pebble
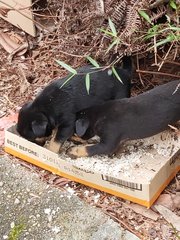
[(12, 225), (17, 201), (56, 229), (47, 211)]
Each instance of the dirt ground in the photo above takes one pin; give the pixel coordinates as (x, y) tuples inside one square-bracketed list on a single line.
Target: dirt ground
[(24, 76)]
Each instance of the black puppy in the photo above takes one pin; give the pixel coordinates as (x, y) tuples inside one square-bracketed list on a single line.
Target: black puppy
[(128, 119), (56, 106)]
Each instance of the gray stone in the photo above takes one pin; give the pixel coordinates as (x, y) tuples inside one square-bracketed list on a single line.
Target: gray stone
[(129, 236), (47, 213)]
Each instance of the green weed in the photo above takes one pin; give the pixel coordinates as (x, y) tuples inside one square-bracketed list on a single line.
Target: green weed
[(16, 232)]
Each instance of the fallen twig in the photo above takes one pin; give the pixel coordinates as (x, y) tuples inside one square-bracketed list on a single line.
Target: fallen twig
[(158, 73)]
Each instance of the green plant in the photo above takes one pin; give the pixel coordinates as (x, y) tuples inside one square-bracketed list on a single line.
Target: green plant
[(172, 4), (143, 14), (161, 33), (16, 232), (115, 40), (96, 68), (74, 72), (165, 34)]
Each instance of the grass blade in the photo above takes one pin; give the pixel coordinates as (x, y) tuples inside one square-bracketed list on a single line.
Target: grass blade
[(107, 32), (169, 38), (67, 80), (174, 28), (87, 80), (173, 4), (92, 61), (116, 74), (116, 41), (113, 28), (66, 66), (145, 16)]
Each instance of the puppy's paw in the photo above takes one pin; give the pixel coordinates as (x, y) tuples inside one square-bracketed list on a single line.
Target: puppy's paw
[(78, 140), (76, 152), (41, 141), (54, 146)]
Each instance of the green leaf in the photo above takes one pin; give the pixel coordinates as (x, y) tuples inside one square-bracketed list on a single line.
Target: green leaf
[(67, 80), (174, 28), (169, 38), (153, 31), (92, 61), (67, 67), (116, 74), (113, 28), (87, 80), (173, 4), (145, 16), (107, 32), (116, 41), (170, 28)]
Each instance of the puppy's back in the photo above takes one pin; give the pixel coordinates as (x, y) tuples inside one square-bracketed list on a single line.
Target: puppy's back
[(141, 116)]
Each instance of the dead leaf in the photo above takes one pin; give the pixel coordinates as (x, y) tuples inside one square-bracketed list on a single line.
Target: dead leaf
[(4, 11), (176, 200), (10, 44), (24, 83), (16, 38), (171, 201), (21, 50), (177, 184), (4, 43), (166, 201), (170, 217), (143, 211)]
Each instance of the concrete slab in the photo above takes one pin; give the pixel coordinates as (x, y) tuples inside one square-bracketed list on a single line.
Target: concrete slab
[(32, 210)]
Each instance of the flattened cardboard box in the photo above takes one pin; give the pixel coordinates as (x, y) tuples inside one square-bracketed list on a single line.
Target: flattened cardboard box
[(139, 174), (20, 14)]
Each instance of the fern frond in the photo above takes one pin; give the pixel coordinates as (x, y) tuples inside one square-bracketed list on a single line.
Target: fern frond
[(133, 20), (118, 15), (160, 11)]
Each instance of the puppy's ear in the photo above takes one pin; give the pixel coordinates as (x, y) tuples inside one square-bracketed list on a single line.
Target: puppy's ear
[(81, 126), (39, 128)]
